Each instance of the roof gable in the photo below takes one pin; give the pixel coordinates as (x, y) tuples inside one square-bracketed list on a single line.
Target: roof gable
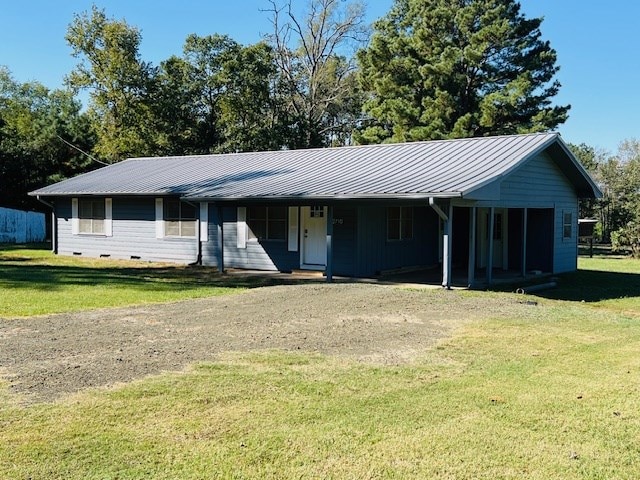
[(446, 168)]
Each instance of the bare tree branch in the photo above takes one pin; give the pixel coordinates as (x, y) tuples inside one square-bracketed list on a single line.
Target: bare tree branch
[(315, 55)]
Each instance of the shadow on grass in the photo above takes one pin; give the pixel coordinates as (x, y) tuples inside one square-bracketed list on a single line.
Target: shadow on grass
[(594, 286), (25, 275), (32, 267), (24, 272)]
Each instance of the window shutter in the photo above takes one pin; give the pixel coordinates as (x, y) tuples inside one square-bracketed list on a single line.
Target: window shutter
[(204, 222), (108, 217), (293, 229), (159, 219), (241, 225), (75, 221)]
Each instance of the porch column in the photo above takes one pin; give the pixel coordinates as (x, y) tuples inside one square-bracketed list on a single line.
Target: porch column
[(473, 211), (198, 233), (219, 224), (446, 240), (490, 242), (330, 243), (447, 249), (54, 232), (525, 219)]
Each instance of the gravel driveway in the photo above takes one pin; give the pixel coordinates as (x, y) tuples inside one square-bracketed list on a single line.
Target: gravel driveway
[(43, 358)]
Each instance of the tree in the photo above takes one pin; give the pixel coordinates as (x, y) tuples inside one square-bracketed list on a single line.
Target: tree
[(448, 69), (317, 73), (217, 97), (206, 57), (592, 160), (622, 196), (35, 123), (118, 81), (175, 110), (618, 176), (251, 116)]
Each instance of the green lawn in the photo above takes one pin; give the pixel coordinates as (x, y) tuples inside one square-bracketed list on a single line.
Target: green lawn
[(607, 281), (34, 281), (552, 393)]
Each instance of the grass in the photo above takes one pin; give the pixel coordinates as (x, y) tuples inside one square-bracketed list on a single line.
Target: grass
[(607, 281), (551, 393), (33, 281)]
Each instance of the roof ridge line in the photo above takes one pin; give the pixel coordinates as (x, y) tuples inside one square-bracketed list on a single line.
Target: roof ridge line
[(345, 147)]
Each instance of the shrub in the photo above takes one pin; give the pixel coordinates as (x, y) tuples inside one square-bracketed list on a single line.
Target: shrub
[(627, 237)]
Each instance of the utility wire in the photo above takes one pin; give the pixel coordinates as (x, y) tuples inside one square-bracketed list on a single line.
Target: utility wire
[(82, 151)]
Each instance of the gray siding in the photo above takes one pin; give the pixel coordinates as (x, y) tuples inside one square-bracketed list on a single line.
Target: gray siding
[(268, 255), (375, 253), (134, 235), (210, 247), (539, 183), (345, 241), (360, 246)]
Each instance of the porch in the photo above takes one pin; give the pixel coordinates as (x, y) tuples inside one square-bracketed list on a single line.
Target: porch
[(471, 246), (482, 246)]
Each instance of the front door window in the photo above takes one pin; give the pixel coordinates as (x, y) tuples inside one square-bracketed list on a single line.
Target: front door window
[(316, 212)]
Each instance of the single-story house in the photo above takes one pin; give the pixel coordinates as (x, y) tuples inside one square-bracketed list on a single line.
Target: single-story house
[(480, 205)]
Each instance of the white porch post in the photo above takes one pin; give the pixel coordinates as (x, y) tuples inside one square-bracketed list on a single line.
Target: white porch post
[(472, 246), (54, 231), (198, 233), (330, 243), (220, 232), (525, 219), (446, 240), (446, 254), (490, 243)]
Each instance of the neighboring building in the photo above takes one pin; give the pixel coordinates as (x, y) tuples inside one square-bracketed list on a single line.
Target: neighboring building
[(19, 226), (510, 202)]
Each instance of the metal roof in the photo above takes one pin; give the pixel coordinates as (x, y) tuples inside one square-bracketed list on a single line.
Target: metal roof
[(442, 168)]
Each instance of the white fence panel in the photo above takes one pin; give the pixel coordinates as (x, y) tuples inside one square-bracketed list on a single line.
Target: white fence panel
[(17, 226)]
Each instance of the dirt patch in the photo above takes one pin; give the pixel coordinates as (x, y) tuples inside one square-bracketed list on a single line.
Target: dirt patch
[(45, 357)]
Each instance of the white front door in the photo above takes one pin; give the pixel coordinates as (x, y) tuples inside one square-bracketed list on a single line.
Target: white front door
[(314, 237)]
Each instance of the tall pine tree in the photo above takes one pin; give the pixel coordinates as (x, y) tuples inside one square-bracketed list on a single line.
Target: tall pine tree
[(457, 68)]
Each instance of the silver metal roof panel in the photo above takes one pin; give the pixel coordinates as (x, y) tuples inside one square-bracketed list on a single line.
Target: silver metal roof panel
[(443, 168)]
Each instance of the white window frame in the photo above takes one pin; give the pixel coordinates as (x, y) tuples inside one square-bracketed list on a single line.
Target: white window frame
[(241, 227), (566, 225), (292, 229), (107, 221), (159, 218), (161, 222), (204, 222), (267, 220)]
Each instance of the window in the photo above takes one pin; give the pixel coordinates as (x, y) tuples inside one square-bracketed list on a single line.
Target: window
[(267, 223), (399, 223), (567, 225), (179, 219), (91, 216), (316, 212)]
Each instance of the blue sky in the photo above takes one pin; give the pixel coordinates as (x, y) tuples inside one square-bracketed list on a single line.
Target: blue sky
[(598, 47)]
